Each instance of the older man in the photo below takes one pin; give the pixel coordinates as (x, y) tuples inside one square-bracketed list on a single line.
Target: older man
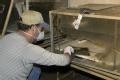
[(18, 54)]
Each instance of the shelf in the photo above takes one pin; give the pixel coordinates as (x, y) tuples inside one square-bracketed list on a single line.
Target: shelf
[(112, 13)]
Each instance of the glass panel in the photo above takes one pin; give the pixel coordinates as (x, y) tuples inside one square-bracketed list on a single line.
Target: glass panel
[(94, 41), (117, 46)]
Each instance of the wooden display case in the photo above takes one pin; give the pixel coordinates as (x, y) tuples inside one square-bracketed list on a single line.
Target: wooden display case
[(100, 28)]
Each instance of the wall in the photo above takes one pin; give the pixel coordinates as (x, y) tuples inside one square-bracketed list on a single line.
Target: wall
[(76, 3), (44, 0)]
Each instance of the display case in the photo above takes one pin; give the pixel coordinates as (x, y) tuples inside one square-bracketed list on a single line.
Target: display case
[(96, 41)]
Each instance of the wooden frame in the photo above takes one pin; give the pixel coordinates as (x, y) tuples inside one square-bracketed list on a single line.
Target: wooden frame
[(96, 71)]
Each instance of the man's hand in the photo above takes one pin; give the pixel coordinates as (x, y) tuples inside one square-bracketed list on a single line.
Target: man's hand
[(69, 50)]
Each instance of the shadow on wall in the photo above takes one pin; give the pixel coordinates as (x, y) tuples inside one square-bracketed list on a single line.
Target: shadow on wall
[(3, 14), (45, 6)]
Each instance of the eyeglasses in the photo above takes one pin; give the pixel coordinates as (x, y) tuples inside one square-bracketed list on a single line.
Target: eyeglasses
[(41, 28)]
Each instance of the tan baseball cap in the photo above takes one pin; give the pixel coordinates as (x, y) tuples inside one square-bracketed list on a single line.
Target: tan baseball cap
[(32, 17)]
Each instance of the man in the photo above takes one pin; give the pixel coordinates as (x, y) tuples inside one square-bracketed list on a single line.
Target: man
[(18, 54)]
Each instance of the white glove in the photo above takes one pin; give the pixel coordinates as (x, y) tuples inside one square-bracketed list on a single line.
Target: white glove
[(69, 50)]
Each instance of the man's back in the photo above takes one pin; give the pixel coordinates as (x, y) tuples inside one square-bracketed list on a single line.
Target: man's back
[(11, 62), (17, 56)]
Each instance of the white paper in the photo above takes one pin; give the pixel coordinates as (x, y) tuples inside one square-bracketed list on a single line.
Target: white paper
[(77, 22)]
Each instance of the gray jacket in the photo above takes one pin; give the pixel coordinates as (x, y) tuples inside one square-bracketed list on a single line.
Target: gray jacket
[(17, 56)]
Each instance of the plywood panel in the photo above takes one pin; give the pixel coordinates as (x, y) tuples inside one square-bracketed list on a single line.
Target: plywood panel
[(45, 0), (76, 3)]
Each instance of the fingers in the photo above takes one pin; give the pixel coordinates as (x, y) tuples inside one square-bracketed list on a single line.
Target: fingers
[(69, 50)]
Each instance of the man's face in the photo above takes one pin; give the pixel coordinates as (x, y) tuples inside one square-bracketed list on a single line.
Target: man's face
[(39, 29), (37, 32)]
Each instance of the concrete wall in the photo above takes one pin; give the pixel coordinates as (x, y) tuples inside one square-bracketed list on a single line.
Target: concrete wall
[(76, 3), (45, 0)]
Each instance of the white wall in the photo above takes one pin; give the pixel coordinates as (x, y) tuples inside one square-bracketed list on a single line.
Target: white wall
[(76, 3), (45, 0)]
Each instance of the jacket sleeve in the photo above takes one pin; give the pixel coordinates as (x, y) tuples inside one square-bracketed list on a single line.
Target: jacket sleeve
[(38, 55)]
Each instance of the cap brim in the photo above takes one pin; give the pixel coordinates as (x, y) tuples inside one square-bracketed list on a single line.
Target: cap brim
[(45, 26)]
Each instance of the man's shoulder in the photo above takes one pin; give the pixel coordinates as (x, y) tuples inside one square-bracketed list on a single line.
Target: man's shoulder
[(14, 36)]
